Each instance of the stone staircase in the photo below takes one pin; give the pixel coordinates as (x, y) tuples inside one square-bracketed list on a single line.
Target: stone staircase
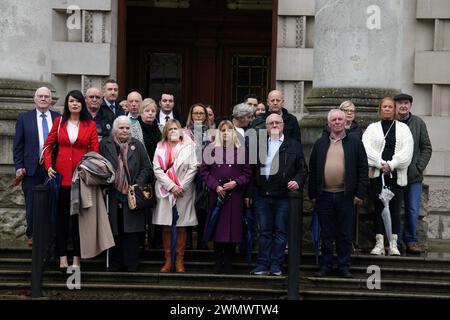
[(401, 278)]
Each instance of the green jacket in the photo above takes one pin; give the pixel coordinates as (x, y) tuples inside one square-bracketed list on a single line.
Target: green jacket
[(422, 148)]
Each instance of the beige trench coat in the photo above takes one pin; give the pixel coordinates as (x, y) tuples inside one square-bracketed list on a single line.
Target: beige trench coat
[(185, 166)]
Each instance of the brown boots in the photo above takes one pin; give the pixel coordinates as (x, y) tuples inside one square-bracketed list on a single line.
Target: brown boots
[(166, 243), (180, 247)]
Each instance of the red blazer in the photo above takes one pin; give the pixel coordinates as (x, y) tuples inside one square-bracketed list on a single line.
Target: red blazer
[(69, 155)]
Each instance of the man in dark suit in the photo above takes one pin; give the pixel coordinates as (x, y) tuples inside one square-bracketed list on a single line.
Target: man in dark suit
[(32, 128), (110, 108), (168, 111)]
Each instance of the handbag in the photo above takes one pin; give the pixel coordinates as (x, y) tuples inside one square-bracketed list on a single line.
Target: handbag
[(141, 197)]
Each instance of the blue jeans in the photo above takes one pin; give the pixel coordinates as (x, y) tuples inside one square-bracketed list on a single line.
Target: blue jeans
[(272, 215), (412, 193), (336, 217)]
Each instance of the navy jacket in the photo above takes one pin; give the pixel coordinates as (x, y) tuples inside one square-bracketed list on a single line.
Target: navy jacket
[(26, 141), (356, 167)]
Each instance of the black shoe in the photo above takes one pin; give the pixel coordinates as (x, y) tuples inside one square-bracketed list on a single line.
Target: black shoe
[(322, 273), (345, 274)]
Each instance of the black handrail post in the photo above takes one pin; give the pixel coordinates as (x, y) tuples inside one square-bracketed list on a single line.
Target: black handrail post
[(41, 213), (294, 243)]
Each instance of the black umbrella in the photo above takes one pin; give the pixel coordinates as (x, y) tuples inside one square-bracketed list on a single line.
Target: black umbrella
[(173, 236), (54, 185), (315, 233), (249, 219), (212, 222)]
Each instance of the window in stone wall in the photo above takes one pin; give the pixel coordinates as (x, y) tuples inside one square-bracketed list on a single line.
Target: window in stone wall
[(250, 74)]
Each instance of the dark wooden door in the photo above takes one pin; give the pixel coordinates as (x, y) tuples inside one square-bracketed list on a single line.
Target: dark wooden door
[(202, 43)]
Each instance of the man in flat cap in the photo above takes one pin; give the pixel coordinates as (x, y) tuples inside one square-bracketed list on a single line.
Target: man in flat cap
[(421, 156)]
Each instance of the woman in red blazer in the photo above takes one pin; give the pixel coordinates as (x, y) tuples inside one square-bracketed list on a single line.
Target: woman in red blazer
[(75, 134)]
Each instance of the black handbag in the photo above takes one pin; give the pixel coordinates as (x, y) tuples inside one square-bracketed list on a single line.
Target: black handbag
[(141, 197)]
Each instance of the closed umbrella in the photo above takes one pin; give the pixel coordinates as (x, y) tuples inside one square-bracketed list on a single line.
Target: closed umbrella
[(54, 185), (249, 218), (173, 237), (212, 221), (315, 234), (385, 196)]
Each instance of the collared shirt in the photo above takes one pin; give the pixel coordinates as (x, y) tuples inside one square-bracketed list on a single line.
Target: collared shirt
[(272, 148), (405, 118), (162, 118), (40, 130), (111, 106), (133, 120)]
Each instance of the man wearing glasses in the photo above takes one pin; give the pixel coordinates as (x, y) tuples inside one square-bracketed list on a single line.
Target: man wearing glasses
[(167, 110), (280, 171), (103, 120), (32, 128)]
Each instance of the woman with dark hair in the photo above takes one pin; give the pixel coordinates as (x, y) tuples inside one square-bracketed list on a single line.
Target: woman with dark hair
[(197, 126), (75, 134)]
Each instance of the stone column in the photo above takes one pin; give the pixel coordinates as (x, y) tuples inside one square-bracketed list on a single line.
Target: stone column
[(25, 65), (357, 56)]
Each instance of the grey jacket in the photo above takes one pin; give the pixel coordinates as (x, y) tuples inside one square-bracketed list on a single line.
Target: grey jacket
[(140, 172), (422, 148)]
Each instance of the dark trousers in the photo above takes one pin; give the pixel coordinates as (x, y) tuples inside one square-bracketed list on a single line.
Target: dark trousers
[(394, 204), (28, 184), (125, 254), (336, 216), (63, 225)]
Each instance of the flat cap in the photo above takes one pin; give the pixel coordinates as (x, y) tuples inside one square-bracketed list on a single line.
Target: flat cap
[(403, 96)]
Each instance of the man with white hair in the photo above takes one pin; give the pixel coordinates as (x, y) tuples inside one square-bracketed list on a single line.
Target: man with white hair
[(281, 170), (338, 180), (32, 128)]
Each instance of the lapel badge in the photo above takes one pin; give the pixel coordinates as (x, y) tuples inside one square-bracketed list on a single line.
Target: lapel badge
[(132, 148)]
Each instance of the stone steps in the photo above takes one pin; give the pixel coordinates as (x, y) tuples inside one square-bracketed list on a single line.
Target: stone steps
[(401, 278)]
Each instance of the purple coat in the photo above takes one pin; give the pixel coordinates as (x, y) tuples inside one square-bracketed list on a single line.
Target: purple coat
[(230, 222)]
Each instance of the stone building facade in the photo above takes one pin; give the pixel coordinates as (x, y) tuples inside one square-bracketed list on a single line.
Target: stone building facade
[(324, 51)]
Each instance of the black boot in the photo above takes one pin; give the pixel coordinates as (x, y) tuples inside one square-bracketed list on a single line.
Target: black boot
[(218, 257), (229, 250)]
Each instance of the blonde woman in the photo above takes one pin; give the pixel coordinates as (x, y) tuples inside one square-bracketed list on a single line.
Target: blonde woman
[(351, 126), (226, 173), (389, 147), (175, 166)]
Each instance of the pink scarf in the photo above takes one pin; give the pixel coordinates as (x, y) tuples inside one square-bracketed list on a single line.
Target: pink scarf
[(167, 164)]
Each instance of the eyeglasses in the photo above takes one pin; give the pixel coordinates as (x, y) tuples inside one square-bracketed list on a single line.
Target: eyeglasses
[(94, 97), (349, 111), (198, 113), (42, 96), (166, 100), (272, 123)]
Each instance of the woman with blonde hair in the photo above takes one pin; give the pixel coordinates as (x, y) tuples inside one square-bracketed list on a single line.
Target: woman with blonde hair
[(389, 147), (351, 126), (226, 173), (175, 166)]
